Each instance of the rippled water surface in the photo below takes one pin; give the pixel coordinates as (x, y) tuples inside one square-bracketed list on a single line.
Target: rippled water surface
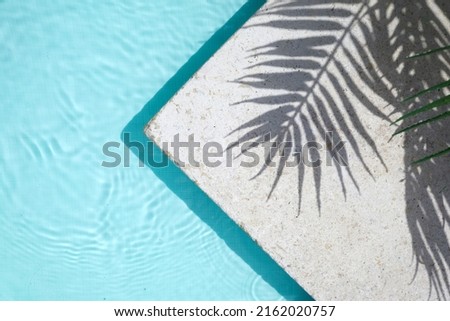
[(73, 74)]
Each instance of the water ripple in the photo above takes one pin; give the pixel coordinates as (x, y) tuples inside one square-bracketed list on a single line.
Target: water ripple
[(73, 74)]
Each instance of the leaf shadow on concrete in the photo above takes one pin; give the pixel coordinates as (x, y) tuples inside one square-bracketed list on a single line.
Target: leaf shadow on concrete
[(316, 94)]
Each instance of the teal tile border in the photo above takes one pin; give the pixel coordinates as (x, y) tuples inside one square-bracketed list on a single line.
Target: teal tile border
[(187, 190)]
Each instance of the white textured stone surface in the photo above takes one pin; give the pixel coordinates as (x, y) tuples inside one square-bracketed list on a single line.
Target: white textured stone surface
[(359, 245)]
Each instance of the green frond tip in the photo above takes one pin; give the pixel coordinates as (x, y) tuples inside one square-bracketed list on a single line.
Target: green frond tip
[(440, 153), (426, 53), (441, 116), (436, 87), (437, 103)]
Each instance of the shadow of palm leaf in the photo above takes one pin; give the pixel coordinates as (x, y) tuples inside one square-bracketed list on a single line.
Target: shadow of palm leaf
[(426, 193), (308, 108), (312, 92)]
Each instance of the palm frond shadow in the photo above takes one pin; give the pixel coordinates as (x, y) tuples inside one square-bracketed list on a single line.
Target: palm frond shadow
[(427, 197), (306, 112), (317, 94)]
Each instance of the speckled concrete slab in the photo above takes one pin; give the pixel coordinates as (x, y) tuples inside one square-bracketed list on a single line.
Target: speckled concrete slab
[(303, 71)]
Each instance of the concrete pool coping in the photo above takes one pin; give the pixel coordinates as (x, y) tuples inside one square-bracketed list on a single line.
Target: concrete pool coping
[(341, 232)]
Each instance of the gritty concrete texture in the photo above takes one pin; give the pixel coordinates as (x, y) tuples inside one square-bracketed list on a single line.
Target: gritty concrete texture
[(376, 229)]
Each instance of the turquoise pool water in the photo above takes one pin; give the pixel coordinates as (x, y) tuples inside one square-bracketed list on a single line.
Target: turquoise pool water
[(75, 75)]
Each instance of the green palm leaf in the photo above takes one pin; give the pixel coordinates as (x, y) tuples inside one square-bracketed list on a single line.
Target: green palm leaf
[(436, 87), (423, 122), (426, 53), (438, 103), (441, 102), (440, 153)]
